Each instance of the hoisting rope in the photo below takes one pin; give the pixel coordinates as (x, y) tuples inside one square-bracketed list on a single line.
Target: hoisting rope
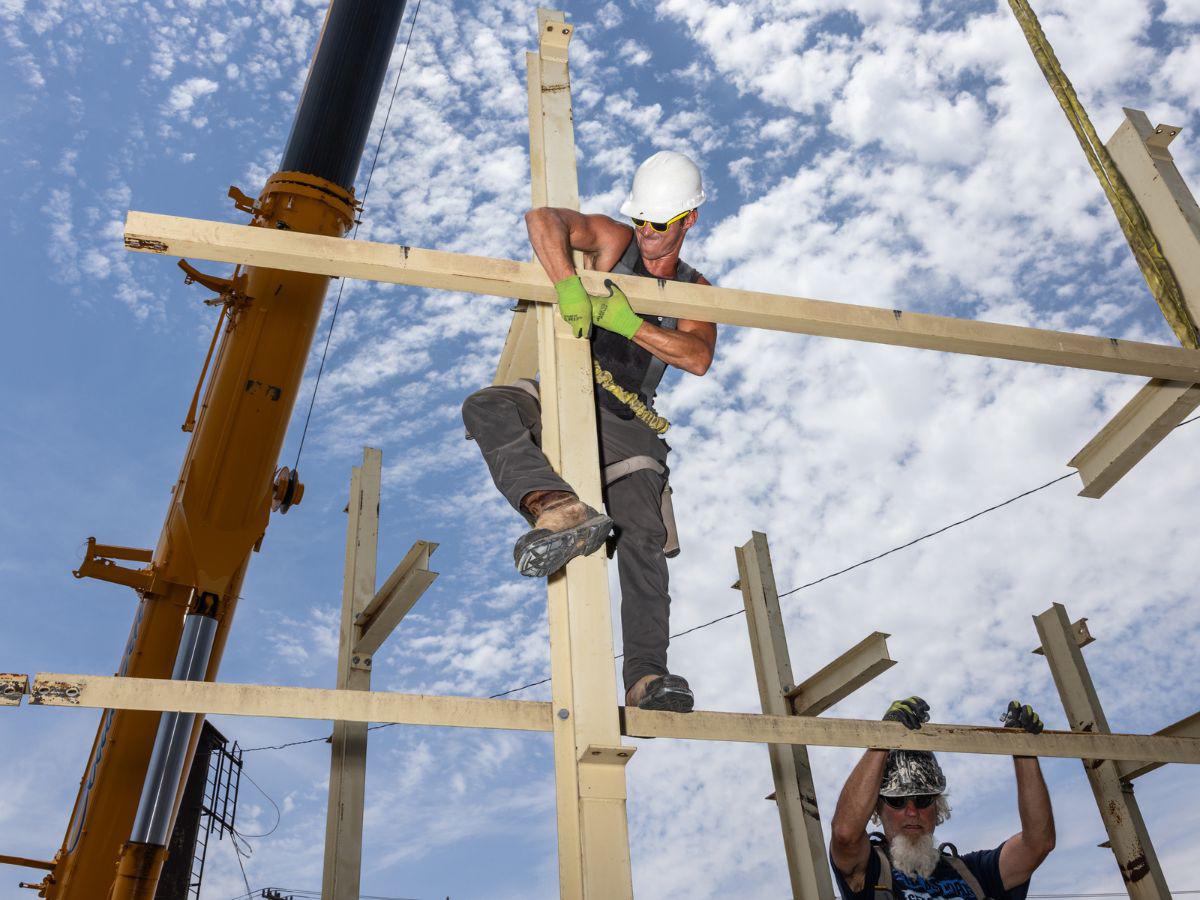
[(645, 414), (1146, 249)]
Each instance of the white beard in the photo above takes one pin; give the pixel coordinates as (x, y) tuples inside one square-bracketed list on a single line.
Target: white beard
[(914, 855)]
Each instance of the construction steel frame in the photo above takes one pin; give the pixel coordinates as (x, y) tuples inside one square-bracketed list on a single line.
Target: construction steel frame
[(586, 726)]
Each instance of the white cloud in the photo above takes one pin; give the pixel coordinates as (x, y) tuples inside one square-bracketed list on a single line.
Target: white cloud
[(1184, 12), (633, 53), (183, 96), (610, 15)]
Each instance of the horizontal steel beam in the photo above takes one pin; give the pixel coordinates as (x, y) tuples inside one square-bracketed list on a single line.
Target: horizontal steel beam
[(271, 701), (293, 251), (826, 732)]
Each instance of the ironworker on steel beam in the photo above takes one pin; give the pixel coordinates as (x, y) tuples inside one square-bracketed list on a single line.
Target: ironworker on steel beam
[(904, 791), (630, 354)]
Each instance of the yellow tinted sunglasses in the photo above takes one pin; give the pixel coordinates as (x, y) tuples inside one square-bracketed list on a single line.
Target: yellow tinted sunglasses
[(660, 227)]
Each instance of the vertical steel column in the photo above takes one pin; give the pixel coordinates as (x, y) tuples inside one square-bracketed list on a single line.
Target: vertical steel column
[(589, 761), (795, 794), (348, 763), (1127, 832)]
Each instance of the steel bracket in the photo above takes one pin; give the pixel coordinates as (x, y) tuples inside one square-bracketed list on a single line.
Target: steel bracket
[(13, 689), (229, 291), (244, 202), (53, 692), (98, 563), (1079, 630), (598, 753)]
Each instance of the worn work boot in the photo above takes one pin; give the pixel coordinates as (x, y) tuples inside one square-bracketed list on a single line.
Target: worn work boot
[(669, 693), (564, 527)]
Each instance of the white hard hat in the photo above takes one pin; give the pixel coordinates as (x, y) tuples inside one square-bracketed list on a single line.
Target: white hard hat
[(665, 185)]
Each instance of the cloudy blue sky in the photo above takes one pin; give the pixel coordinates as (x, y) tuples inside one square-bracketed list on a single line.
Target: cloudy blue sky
[(890, 152)]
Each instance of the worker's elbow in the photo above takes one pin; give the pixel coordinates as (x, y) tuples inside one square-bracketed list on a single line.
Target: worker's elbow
[(1046, 847), (537, 214), (1040, 845), (842, 838), (700, 366)]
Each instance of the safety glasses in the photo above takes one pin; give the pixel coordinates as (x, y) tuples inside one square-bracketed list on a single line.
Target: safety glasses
[(660, 227), (922, 801)]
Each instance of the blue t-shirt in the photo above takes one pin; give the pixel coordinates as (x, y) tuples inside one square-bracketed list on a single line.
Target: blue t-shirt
[(944, 882)]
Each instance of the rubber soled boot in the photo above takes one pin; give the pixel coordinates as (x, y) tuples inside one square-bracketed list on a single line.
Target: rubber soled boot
[(669, 693), (564, 527)]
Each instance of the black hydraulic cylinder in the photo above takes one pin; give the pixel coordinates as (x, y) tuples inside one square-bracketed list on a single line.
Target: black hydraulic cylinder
[(330, 129)]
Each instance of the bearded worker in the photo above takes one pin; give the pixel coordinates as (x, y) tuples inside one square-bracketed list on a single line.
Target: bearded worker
[(904, 791), (631, 353)]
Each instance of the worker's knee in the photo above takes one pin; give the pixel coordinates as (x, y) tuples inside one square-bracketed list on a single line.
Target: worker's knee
[(477, 408)]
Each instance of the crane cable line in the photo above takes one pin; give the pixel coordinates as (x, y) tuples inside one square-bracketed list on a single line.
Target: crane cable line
[(738, 612), (362, 206)]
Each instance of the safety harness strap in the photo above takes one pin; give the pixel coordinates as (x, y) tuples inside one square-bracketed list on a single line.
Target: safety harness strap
[(619, 470)]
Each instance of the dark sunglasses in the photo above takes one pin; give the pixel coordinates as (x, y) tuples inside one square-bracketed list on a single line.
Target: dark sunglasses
[(660, 227), (922, 801)]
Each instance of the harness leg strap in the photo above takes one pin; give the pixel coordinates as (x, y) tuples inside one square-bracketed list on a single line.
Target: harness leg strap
[(619, 470)]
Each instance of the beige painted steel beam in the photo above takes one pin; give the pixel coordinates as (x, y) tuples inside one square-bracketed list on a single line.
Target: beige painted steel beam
[(1188, 728), (281, 702), (842, 677), (519, 358), (1127, 834), (273, 701), (342, 870), (392, 602), (1140, 153), (795, 793), (223, 242), (589, 761), (828, 732)]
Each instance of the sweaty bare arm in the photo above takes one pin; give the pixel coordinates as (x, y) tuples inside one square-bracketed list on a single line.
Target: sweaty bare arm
[(1024, 852), (690, 346), (849, 845), (555, 232)]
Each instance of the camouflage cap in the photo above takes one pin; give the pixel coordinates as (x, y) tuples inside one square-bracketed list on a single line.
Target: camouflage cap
[(909, 773)]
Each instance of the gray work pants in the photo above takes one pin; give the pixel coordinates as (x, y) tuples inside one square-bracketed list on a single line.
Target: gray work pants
[(506, 423)]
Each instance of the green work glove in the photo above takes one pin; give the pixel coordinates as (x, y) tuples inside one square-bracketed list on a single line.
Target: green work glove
[(575, 306), (910, 713), (613, 313), (1021, 715)]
